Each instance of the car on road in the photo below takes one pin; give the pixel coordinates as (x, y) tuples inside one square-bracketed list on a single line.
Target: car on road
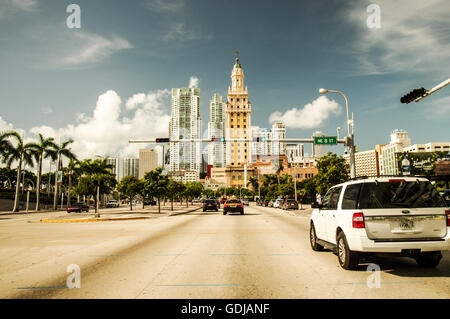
[(233, 206), (150, 202), (223, 200), (245, 202), (401, 216), (78, 208), (290, 204), (446, 195), (210, 204), (112, 204)]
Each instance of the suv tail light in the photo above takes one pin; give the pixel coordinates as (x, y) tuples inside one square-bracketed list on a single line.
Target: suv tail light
[(358, 220), (447, 213), (225, 206), (241, 205)]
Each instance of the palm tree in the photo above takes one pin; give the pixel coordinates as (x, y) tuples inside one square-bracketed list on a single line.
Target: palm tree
[(22, 153), (279, 170), (61, 150), (253, 181), (73, 168), (45, 148)]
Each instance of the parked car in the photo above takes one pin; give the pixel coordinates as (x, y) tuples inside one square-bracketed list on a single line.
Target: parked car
[(446, 196), (78, 208), (233, 205), (393, 216), (210, 204), (277, 203), (290, 204), (245, 202), (266, 202), (112, 203), (271, 202), (223, 200)]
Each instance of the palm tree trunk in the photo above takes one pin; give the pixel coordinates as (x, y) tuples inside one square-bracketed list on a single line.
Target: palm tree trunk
[(70, 187), (55, 197), (38, 186), (159, 206), (16, 198), (171, 204)]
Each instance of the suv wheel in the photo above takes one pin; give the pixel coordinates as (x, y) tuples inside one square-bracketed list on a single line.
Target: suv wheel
[(347, 259), (429, 259), (313, 239)]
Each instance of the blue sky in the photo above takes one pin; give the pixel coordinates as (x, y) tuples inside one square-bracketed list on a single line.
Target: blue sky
[(110, 80)]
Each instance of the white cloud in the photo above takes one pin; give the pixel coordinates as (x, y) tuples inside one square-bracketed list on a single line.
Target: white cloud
[(84, 48), (179, 32), (9, 8), (194, 82), (107, 131), (310, 116), (162, 6), (46, 110), (413, 36), (4, 126)]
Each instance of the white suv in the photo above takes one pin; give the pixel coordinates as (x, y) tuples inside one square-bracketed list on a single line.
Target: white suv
[(396, 216)]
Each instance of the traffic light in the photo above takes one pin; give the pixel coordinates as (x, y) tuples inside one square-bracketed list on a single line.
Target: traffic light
[(222, 139), (162, 140), (414, 94), (213, 139)]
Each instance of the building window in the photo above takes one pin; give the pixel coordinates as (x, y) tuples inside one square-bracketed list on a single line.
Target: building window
[(238, 100)]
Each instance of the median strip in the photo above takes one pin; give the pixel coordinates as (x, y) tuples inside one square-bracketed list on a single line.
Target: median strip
[(89, 220)]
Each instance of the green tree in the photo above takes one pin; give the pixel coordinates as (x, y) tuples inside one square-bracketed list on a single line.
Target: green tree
[(155, 184), (221, 191), (18, 152), (253, 181), (62, 150), (130, 186), (175, 189), (208, 193), (194, 189), (332, 170), (44, 149)]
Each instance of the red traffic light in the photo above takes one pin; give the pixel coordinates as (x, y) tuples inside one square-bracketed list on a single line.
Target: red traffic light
[(162, 140), (414, 94)]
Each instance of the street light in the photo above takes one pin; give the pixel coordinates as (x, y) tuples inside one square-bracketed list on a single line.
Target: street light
[(350, 137)]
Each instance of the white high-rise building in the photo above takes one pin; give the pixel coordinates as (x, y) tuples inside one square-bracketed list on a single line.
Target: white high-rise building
[(114, 162), (295, 152), (388, 159), (319, 150), (278, 133), (262, 147), (185, 123), (130, 167), (216, 129)]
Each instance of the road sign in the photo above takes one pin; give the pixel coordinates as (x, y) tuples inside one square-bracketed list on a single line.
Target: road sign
[(328, 140)]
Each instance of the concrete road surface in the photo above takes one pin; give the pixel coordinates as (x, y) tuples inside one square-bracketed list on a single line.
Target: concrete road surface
[(262, 254)]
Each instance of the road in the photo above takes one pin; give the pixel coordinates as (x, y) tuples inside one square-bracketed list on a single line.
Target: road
[(262, 254)]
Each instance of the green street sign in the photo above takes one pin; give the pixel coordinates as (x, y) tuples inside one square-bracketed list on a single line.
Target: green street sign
[(327, 140)]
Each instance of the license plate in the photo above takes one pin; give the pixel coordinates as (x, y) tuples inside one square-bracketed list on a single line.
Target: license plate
[(406, 224)]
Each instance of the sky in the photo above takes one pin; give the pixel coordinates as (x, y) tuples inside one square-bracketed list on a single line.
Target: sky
[(110, 80)]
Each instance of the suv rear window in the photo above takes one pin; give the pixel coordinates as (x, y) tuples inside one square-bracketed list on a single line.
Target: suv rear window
[(404, 194), (350, 199), (209, 201)]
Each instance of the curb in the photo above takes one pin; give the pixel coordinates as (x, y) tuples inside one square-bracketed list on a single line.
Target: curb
[(89, 220)]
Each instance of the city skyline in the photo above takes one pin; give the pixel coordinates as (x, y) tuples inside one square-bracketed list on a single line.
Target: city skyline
[(108, 62)]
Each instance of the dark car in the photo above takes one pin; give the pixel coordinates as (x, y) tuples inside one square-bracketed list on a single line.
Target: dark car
[(446, 196), (233, 205), (290, 204), (210, 204), (148, 202), (78, 208)]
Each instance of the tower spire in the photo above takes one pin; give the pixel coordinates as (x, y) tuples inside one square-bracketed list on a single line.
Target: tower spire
[(237, 64)]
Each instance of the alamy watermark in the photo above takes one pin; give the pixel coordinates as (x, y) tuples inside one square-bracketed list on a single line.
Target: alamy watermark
[(374, 19), (74, 19), (74, 279), (374, 279)]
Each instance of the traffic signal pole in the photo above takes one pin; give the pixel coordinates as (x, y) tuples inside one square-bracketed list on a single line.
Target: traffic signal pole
[(437, 87)]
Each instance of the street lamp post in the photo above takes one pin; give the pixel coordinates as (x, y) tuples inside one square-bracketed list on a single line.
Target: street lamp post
[(350, 136)]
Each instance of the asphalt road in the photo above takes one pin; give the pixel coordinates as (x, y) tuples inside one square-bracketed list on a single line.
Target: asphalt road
[(262, 254)]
